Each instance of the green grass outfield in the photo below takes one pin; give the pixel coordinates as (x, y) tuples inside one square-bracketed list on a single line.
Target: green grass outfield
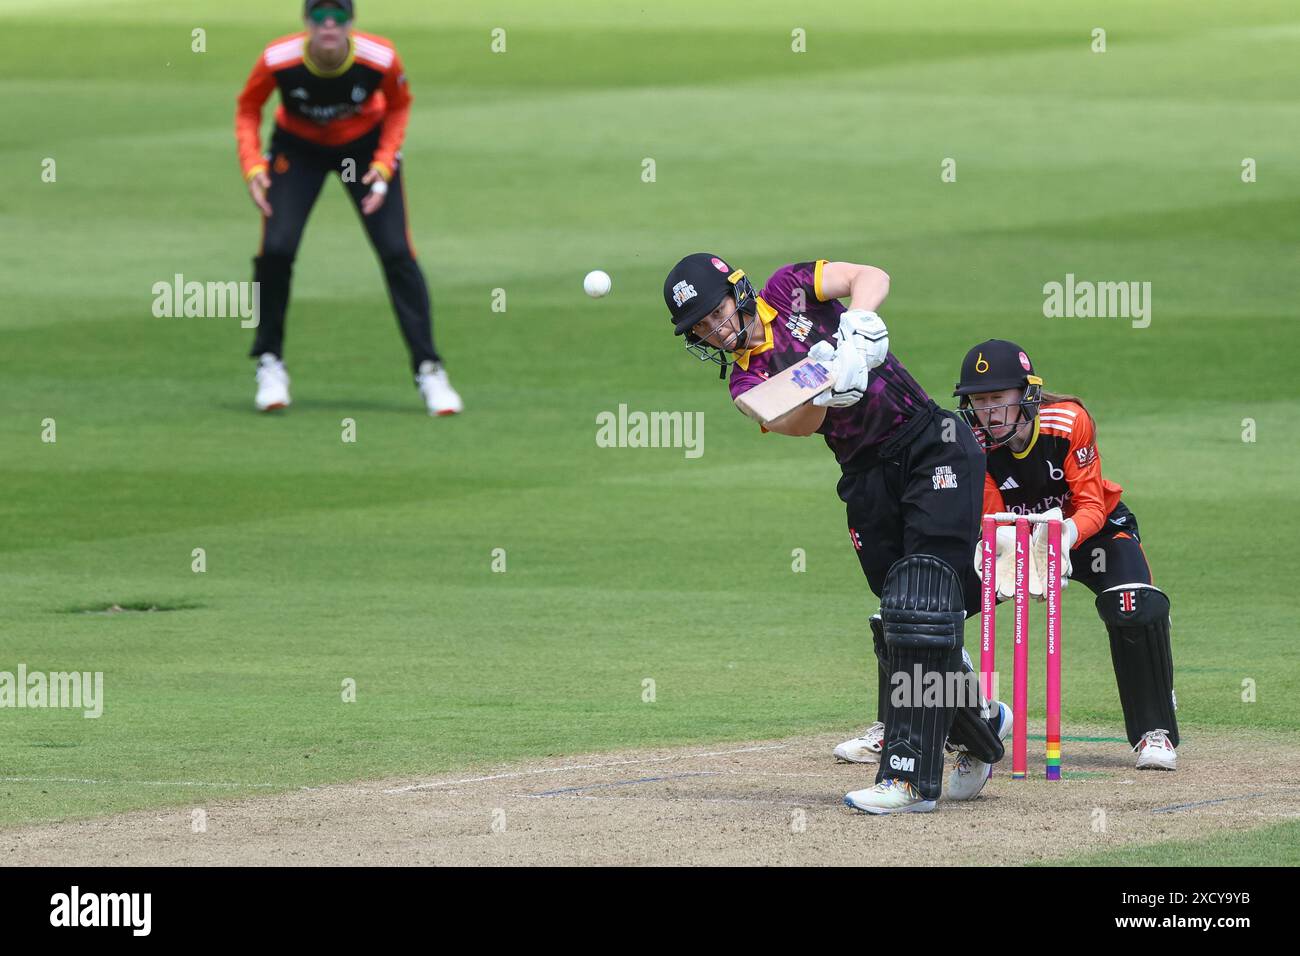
[(1273, 845), (372, 560)]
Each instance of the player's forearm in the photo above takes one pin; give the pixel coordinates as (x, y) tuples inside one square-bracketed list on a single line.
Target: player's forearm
[(869, 289), (248, 141), (993, 503), (804, 420), (248, 119), (390, 141), (1088, 517)]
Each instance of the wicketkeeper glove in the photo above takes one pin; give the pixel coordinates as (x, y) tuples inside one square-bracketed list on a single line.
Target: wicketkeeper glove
[(1004, 562), (867, 333), (1038, 552)]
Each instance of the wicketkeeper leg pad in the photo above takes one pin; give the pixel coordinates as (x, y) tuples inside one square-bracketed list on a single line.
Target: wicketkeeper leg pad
[(1137, 617)]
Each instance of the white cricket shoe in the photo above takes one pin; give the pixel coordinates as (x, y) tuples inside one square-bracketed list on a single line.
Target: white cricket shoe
[(970, 774), (891, 795), (438, 394), (1155, 752), (864, 749), (272, 383)]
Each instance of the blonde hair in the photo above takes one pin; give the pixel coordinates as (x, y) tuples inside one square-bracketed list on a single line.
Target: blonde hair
[(1051, 398)]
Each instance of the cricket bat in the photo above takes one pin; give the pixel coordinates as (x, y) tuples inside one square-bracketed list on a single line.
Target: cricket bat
[(787, 390)]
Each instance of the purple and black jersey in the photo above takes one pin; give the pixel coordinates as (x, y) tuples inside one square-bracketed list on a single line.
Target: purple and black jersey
[(795, 316)]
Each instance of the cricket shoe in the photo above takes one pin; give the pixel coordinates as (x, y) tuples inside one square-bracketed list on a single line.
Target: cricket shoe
[(1155, 752), (272, 384), (970, 774), (891, 795), (438, 394), (864, 749)]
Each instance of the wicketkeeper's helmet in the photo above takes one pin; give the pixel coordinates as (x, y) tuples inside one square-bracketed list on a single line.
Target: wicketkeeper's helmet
[(995, 366)]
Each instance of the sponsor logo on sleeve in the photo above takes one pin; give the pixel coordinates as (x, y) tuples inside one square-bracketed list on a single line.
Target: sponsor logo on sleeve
[(944, 478), (799, 326)]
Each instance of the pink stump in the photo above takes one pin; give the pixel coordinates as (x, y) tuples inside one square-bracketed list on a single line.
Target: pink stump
[(1020, 731), (1054, 650), (988, 607)]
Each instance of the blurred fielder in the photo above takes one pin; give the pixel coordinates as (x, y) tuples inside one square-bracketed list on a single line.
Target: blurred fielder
[(343, 109)]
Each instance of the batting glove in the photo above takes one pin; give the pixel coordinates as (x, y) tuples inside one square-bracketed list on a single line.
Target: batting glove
[(867, 333), (848, 372)]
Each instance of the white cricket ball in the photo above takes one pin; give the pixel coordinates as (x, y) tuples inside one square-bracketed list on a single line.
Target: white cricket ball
[(597, 284)]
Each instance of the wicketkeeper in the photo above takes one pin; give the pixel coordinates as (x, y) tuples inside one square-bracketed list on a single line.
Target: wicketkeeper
[(912, 476), (1043, 459), (344, 104)]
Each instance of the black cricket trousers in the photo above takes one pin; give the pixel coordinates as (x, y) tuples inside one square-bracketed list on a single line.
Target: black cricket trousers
[(298, 170), (923, 493)]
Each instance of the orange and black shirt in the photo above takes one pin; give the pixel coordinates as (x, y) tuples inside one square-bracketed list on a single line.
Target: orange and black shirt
[(327, 107), (1060, 467)]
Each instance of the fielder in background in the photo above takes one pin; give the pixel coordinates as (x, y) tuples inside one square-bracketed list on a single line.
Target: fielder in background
[(912, 475), (343, 109), (1043, 458)]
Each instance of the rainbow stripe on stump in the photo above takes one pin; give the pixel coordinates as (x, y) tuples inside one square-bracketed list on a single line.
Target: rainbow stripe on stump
[(1053, 759)]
